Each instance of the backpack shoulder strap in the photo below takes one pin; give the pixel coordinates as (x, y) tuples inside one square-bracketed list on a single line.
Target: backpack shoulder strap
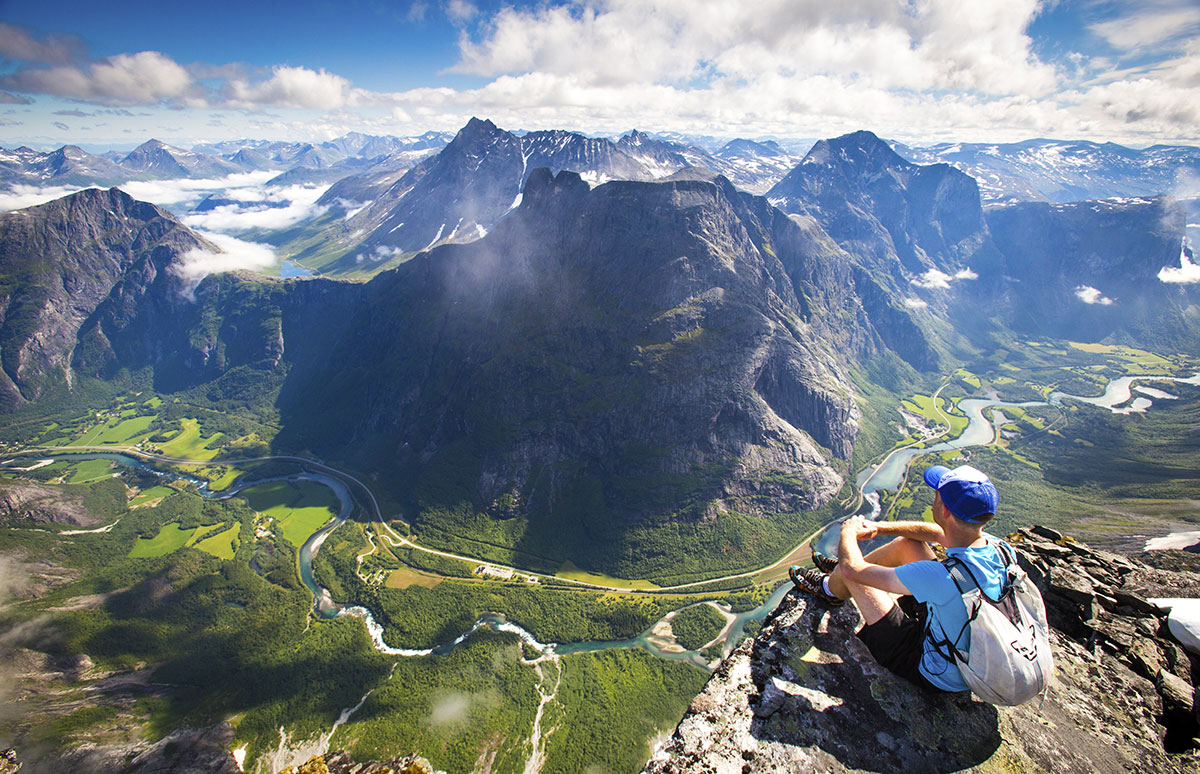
[(964, 581), (1006, 552)]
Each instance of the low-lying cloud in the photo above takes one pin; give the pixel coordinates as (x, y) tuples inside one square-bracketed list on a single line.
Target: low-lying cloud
[(185, 191), (935, 279), (20, 196), (1090, 295), (379, 253), (450, 710), (1186, 273), (253, 204), (260, 207), (232, 254)]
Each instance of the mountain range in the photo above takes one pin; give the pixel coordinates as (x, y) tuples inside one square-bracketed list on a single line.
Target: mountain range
[(155, 160), (607, 362), (1061, 171)]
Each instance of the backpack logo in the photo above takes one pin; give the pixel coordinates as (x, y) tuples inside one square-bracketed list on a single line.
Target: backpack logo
[(1028, 651)]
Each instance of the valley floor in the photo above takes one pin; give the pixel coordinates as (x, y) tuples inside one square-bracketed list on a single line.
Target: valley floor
[(138, 604)]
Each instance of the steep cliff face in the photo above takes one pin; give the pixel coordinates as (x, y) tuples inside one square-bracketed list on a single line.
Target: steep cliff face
[(911, 230), (806, 695), (58, 263), (885, 209), (636, 350), (1094, 270)]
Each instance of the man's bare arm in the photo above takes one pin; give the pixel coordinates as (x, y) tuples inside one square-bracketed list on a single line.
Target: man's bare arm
[(925, 531), (855, 568)]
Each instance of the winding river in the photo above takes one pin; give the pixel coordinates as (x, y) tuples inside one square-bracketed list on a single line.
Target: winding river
[(886, 475), (981, 432)]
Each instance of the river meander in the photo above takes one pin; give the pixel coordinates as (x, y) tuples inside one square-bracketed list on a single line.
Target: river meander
[(887, 475)]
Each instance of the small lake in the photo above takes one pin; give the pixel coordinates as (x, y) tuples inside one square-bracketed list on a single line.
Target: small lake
[(288, 269)]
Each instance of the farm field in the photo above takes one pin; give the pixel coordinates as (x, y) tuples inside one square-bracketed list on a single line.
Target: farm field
[(189, 444), (300, 507)]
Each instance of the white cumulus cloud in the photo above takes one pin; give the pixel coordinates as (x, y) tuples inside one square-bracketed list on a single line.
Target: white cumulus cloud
[(232, 255), (1090, 295), (294, 87), (933, 44), (933, 279), (125, 79), (1186, 273), (937, 279)]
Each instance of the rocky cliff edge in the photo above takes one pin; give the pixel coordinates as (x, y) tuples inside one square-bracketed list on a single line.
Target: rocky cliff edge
[(805, 695)]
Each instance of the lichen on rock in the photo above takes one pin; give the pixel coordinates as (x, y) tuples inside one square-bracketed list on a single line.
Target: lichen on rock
[(806, 695)]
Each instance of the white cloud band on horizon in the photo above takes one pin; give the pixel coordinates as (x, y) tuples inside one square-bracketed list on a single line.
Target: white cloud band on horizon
[(924, 71)]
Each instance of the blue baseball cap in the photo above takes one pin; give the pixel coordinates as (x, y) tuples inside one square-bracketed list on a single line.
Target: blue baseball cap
[(968, 493)]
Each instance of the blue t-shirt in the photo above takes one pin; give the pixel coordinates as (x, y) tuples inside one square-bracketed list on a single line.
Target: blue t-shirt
[(930, 582)]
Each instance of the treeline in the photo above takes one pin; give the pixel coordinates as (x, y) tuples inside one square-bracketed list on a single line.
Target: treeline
[(477, 701), (615, 703), (696, 626)]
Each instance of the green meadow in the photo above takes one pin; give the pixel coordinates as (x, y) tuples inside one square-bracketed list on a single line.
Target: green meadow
[(189, 444), (221, 544), (151, 494), (87, 471), (169, 539), (299, 507), (116, 431)]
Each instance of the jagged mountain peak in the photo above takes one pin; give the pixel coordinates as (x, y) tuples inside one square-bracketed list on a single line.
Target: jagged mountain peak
[(478, 126), (635, 137), (861, 150)]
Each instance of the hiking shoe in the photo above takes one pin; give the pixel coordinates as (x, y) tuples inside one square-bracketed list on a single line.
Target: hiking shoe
[(824, 563), (812, 582)]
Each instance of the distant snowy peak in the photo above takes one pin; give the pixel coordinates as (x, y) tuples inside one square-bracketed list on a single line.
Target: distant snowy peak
[(69, 165), (1064, 171), (157, 159), (476, 179), (741, 149)]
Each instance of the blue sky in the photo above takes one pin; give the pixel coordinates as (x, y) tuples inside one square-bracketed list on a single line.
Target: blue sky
[(113, 74)]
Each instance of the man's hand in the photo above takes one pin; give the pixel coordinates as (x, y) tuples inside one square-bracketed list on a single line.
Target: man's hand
[(860, 528)]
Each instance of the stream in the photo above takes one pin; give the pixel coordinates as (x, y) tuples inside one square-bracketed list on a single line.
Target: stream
[(886, 475), (980, 432)]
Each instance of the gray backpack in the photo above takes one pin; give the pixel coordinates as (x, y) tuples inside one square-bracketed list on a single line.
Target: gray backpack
[(1008, 661)]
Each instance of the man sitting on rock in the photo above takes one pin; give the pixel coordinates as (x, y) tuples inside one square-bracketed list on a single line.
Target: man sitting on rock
[(912, 645)]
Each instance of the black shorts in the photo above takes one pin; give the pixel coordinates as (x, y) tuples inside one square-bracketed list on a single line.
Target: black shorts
[(897, 641)]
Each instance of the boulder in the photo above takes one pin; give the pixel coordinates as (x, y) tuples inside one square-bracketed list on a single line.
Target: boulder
[(806, 695)]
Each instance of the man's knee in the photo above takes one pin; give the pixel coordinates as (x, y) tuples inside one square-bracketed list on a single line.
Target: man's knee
[(914, 550)]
